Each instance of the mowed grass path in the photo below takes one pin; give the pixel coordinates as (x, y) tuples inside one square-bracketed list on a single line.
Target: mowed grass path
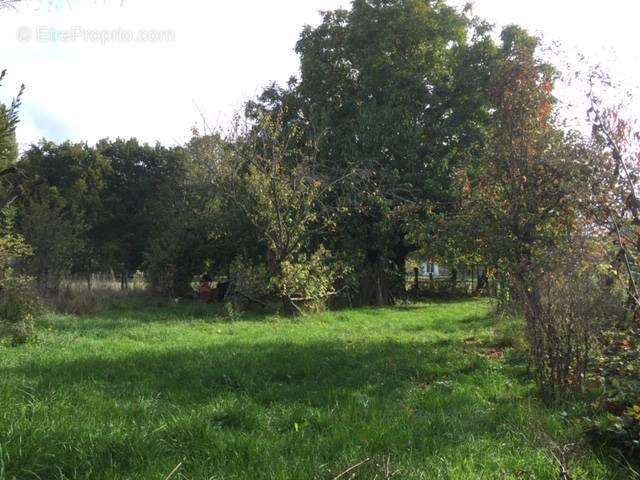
[(132, 393)]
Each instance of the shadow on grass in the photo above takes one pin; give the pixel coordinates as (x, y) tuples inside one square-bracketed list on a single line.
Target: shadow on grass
[(361, 378), (367, 383), (312, 374), (135, 313)]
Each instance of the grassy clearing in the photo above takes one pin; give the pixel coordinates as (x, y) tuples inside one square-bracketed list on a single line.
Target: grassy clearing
[(136, 391)]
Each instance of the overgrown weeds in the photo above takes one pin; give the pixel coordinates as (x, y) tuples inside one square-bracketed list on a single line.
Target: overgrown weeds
[(567, 305), (76, 299), (616, 382)]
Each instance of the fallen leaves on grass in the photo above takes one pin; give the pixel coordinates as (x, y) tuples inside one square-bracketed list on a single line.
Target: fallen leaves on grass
[(494, 353), (488, 352)]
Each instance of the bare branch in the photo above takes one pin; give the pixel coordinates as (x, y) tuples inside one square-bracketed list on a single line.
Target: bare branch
[(5, 4)]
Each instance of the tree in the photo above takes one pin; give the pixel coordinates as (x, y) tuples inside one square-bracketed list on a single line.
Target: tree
[(201, 231), (522, 199), (519, 192), (64, 185), (142, 187), (394, 91), (102, 206), (614, 210), (55, 238), (8, 146), (273, 183), (17, 305)]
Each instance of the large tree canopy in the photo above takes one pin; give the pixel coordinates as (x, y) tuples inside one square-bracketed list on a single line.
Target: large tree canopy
[(381, 81), (361, 156), (395, 93)]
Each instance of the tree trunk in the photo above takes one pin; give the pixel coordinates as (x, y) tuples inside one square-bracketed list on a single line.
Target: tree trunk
[(374, 286)]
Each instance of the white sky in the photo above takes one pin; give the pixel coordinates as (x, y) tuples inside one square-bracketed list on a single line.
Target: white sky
[(225, 51)]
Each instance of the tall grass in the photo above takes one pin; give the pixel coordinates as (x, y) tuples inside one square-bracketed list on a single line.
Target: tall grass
[(415, 392), (75, 296)]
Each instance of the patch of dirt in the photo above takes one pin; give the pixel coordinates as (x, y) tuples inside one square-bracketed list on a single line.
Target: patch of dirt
[(494, 353), (421, 385)]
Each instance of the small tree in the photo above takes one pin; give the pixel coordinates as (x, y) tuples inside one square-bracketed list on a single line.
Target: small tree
[(273, 184), (17, 301), (56, 240), (17, 304), (8, 148), (521, 196)]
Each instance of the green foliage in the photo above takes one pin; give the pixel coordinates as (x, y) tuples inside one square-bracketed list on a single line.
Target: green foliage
[(18, 303), (56, 240), (307, 280), (250, 282), (352, 156), (87, 209), (8, 122), (614, 206), (408, 130), (394, 94), (616, 381), (60, 208), (280, 200), (268, 183), (18, 307), (142, 198), (524, 198), (12, 245), (520, 193), (178, 253)]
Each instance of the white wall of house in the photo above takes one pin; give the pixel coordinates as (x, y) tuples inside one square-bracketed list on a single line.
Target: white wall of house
[(441, 271), (428, 268)]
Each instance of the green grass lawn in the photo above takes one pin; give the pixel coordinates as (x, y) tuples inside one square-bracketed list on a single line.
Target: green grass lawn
[(134, 392)]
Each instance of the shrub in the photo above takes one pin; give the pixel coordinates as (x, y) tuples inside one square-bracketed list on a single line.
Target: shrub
[(303, 284), (616, 379), (306, 282), (76, 300), (248, 284), (566, 305), (558, 335), (18, 302), (18, 307)]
